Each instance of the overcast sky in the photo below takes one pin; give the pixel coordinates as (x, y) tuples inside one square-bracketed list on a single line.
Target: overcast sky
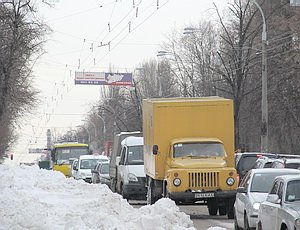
[(135, 30)]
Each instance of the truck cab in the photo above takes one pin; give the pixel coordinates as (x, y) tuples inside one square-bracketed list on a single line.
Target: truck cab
[(130, 169)]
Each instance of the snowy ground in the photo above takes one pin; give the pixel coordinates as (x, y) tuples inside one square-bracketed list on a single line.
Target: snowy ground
[(33, 198)]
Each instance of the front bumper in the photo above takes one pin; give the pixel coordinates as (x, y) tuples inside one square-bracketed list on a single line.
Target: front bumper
[(88, 179), (134, 189), (200, 196)]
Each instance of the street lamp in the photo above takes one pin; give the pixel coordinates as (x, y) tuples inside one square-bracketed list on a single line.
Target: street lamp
[(264, 99), (93, 125)]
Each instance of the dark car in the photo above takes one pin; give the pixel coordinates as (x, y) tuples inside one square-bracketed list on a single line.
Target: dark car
[(100, 174), (104, 174), (95, 173), (246, 161)]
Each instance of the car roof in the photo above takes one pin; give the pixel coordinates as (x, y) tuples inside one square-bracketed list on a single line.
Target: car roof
[(288, 160), (270, 170), (93, 157), (289, 177)]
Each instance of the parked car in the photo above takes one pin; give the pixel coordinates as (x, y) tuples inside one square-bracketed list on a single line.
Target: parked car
[(73, 167), (281, 210), (95, 173), (85, 164), (252, 191), (104, 173), (245, 161), (293, 163), (100, 174)]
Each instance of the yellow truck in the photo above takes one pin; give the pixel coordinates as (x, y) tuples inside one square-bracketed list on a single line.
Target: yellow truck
[(189, 152)]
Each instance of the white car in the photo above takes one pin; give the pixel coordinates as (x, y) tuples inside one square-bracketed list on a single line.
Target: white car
[(281, 210), (253, 190), (85, 164)]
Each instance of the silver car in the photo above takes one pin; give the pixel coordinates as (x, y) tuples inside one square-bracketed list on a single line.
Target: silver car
[(281, 210), (253, 190)]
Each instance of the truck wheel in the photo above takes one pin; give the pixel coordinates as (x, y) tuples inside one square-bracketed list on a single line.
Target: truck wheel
[(212, 207), (151, 199), (222, 210), (113, 185), (123, 193)]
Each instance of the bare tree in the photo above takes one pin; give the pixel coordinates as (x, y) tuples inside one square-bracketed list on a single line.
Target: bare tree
[(21, 41)]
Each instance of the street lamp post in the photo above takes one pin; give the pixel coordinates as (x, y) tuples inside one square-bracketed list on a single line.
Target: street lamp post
[(93, 126), (88, 132), (264, 99)]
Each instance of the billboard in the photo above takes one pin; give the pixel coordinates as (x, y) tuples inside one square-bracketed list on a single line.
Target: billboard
[(102, 78)]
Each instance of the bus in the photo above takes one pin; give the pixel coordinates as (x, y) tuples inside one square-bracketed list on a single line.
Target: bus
[(63, 154)]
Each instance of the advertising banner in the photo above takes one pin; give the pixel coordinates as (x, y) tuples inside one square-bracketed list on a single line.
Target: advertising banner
[(102, 78)]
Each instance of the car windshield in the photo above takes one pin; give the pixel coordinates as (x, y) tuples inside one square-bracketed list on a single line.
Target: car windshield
[(88, 163), (206, 149), (293, 191), (247, 163), (262, 182), (135, 155), (104, 169)]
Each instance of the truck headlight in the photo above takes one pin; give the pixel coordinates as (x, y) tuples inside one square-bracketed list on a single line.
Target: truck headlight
[(176, 181), (297, 223), (230, 181), (256, 206), (132, 177)]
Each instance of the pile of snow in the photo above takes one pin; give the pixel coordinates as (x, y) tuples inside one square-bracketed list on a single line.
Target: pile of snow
[(33, 198)]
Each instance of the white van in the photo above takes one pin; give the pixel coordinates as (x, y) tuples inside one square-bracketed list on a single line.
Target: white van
[(83, 168), (131, 177)]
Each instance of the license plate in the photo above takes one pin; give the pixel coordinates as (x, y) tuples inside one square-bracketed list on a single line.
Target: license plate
[(204, 195)]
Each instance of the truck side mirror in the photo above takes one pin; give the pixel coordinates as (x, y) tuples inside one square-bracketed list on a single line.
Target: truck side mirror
[(118, 160), (155, 149)]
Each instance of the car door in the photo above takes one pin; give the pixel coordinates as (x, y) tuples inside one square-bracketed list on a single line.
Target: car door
[(267, 211), (121, 168), (241, 199), (74, 167), (276, 218)]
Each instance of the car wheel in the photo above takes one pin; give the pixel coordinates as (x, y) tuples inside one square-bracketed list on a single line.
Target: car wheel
[(259, 227), (246, 222), (235, 223)]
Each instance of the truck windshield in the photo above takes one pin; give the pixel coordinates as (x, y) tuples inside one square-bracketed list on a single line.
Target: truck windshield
[(203, 149), (65, 153), (135, 155)]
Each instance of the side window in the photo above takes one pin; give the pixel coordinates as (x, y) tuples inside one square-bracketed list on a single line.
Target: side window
[(280, 190), (123, 155), (275, 187), (245, 181)]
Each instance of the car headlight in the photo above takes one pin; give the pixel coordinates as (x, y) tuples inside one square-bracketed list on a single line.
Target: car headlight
[(176, 181), (256, 206), (297, 223), (230, 181), (132, 178)]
